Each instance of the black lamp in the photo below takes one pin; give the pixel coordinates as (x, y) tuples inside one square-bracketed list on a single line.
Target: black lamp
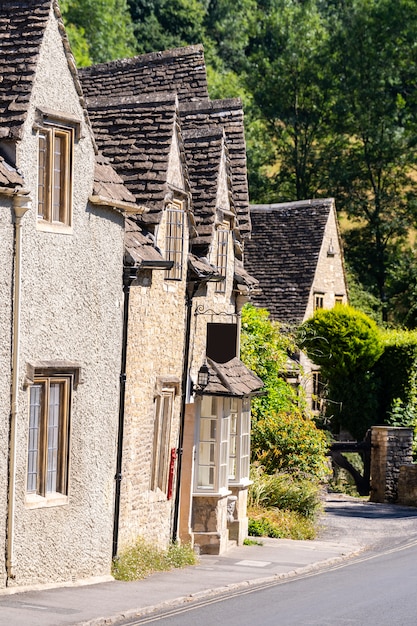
[(203, 376)]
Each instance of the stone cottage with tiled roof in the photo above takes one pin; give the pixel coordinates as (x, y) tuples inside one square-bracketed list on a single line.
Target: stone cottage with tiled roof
[(295, 252), (123, 217), (62, 212), (172, 147)]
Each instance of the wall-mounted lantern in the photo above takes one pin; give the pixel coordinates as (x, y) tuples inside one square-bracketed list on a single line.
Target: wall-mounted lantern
[(203, 376)]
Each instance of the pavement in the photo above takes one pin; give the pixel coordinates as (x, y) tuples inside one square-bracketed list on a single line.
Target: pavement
[(349, 527)]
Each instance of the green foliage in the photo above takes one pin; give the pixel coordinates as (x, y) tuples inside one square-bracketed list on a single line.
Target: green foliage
[(287, 73), (371, 374), (346, 343), (166, 24), (143, 559), (282, 506), (397, 370), (280, 524), (290, 442), (264, 350), (284, 491), (342, 340), (282, 437), (99, 31)]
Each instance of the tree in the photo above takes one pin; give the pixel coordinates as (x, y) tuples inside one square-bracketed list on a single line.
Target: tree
[(287, 74), (165, 24), (99, 31), (346, 344), (373, 54)]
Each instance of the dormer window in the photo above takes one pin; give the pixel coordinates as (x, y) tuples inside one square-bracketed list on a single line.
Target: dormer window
[(174, 241), (55, 175)]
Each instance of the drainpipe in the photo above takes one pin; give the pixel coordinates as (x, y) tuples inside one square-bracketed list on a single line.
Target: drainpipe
[(129, 275), (190, 293), (21, 204)]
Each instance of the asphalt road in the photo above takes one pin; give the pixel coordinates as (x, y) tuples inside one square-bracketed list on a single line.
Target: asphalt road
[(377, 589)]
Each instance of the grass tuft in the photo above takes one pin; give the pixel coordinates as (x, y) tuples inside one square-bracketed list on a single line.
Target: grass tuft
[(142, 559)]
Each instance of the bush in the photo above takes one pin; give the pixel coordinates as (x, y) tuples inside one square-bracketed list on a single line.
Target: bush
[(291, 443), (143, 559), (346, 343), (342, 340), (284, 492), (280, 524)]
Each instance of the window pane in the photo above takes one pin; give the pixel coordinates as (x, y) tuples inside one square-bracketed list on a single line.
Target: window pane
[(35, 407), (55, 394), (221, 261), (42, 177), (174, 242)]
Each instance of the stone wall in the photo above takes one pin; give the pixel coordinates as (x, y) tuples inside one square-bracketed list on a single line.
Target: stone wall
[(391, 448), (407, 485)]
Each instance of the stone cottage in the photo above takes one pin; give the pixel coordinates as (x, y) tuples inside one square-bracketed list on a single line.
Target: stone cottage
[(62, 212), (295, 252), (185, 447)]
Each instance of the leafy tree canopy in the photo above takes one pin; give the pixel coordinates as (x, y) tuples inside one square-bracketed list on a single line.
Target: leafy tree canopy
[(99, 31)]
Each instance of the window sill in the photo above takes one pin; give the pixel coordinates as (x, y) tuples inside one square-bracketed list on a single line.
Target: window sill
[(34, 501), (245, 482), (48, 227), (222, 493)]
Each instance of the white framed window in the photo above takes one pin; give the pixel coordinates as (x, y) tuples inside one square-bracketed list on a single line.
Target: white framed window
[(213, 445), (223, 454), (48, 438), (239, 452), (164, 406), (174, 240)]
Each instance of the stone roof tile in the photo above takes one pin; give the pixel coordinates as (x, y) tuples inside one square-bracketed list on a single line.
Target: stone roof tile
[(109, 186), (228, 114), (231, 379), (136, 133), (283, 253), (181, 70), (22, 26), (10, 178)]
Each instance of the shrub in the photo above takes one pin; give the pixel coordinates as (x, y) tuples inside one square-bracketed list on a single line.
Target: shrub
[(342, 340), (290, 442), (143, 559), (346, 343), (284, 492), (280, 524)]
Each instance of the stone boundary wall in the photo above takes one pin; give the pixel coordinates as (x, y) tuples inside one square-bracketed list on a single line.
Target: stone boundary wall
[(407, 485), (391, 449)]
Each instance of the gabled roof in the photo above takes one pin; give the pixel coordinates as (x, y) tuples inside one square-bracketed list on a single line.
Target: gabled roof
[(22, 27), (140, 249), (228, 114), (283, 253), (181, 70), (204, 150), (136, 133)]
